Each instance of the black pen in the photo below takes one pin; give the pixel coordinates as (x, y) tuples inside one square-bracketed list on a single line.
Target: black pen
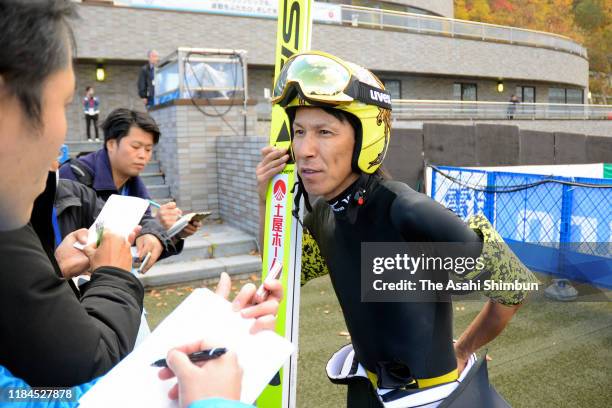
[(203, 355)]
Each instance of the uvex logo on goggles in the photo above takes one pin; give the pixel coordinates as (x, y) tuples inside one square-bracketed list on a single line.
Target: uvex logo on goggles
[(370, 95), (379, 96)]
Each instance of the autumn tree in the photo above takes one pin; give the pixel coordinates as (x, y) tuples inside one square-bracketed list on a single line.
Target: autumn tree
[(589, 22)]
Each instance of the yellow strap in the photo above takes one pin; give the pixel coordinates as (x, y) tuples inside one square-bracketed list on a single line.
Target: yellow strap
[(443, 379), (422, 382)]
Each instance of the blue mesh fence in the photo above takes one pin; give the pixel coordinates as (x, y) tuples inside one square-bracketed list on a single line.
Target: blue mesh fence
[(557, 225)]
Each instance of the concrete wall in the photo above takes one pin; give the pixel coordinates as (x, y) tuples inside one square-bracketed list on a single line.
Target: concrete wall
[(237, 158), (536, 147), (487, 145), (404, 161), (187, 152), (570, 148), (598, 149), (589, 127), (126, 33)]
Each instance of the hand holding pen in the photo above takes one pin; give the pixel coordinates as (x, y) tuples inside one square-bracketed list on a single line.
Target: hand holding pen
[(263, 292), (167, 214), (218, 377), (196, 357)]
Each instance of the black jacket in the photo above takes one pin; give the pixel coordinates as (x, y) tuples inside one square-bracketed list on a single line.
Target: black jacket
[(146, 88), (77, 207), (49, 336)]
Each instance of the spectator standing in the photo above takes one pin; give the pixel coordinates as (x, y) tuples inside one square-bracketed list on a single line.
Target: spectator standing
[(514, 101), (146, 79), (91, 109)]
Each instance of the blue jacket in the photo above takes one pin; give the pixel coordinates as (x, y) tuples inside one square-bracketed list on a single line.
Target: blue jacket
[(8, 382), (98, 165), (86, 105), (218, 403)]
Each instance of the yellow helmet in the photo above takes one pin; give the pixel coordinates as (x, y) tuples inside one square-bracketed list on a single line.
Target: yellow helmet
[(319, 79)]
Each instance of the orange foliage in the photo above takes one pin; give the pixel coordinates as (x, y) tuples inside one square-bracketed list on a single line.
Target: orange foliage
[(589, 22)]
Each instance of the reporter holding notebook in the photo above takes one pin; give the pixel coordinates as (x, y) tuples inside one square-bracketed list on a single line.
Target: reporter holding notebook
[(49, 337)]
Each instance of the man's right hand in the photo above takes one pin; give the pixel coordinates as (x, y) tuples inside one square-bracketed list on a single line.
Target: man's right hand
[(145, 101), (114, 251), (221, 377), (273, 161), (168, 214)]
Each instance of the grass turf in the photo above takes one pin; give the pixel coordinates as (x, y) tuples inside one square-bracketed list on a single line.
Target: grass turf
[(551, 355)]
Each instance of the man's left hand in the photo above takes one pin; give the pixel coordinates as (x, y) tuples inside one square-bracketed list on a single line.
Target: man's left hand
[(72, 261), (264, 313), (463, 358), (149, 243), (190, 229)]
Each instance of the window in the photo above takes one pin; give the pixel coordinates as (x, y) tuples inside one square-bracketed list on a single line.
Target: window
[(556, 95), (394, 87), (526, 93), (465, 92), (563, 95), (574, 96)]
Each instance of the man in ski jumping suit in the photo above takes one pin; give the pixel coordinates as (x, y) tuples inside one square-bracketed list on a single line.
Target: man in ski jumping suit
[(402, 353)]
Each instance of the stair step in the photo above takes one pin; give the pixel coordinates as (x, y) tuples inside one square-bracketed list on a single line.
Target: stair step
[(162, 201), (74, 148), (158, 191), (168, 274), (152, 178), (153, 167), (214, 241)]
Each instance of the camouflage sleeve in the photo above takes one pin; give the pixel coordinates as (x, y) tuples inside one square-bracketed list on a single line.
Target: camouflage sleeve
[(501, 262), (313, 264)]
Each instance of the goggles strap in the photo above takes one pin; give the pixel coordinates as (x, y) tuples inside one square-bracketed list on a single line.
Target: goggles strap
[(369, 94)]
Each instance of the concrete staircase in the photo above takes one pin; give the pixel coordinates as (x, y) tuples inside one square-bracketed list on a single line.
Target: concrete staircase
[(214, 249), (75, 148)]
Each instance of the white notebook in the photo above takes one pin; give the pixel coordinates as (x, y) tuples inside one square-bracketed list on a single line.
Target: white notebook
[(120, 214), (203, 315), (182, 222)]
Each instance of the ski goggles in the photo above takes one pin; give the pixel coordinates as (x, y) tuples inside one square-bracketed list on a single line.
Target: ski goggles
[(325, 79)]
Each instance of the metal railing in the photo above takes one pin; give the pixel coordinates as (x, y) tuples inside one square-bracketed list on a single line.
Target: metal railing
[(389, 19), (408, 109)]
